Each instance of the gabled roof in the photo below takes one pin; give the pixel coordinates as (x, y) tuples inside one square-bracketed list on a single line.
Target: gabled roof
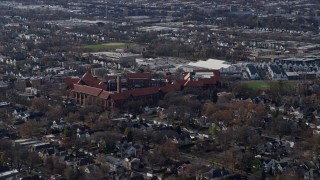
[(104, 95), (83, 87), (170, 87), (87, 90), (71, 80), (198, 83), (138, 75), (181, 82), (210, 81), (144, 91), (119, 96), (89, 80), (275, 69), (252, 69)]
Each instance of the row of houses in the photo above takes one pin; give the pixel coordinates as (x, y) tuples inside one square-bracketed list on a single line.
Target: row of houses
[(90, 91), (276, 71), (273, 72)]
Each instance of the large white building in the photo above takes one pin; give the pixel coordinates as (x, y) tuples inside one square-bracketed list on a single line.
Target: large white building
[(221, 65)]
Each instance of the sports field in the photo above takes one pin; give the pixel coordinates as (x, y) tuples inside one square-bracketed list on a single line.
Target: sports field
[(109, 46)]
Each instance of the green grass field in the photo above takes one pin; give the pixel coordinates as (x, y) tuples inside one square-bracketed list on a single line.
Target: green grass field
[(259, 85), (109, 46)]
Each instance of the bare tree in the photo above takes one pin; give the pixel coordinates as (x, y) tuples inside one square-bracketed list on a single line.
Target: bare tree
[(29, 129), (32, 160), (40, 104), (54, 112)]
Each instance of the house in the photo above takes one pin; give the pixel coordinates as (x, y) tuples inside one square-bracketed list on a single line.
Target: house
[(276, 73), (283, 147), (154, 176), (130, 151), (274, 167), (181, 140), (40, 146), (18, 111), (131, 163), (82, 161), (127, 149), (310, 170), (25, 115), (308, 75), (9, 175), (83, 133), (32, 91), (91, 168), (36, 82), (149, 110), (292, 75), (252, 71), (58, 125), (312, 174), (113, 163), (46, 153), (206, 172), (296, 112), (56, 177), (202, 121)]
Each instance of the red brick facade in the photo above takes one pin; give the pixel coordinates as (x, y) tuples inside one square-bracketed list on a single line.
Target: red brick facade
[(89, 91)]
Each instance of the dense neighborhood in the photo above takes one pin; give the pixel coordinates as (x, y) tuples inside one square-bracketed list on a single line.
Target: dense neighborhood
[(157, 90)]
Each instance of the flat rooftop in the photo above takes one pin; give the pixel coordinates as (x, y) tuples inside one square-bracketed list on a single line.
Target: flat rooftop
[(210, 64)]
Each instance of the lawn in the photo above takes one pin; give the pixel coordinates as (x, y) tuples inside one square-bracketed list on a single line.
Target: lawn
[(109, 46), (259, 85)]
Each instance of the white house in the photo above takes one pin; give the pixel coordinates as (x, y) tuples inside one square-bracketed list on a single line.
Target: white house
[(82, 133), (59, 124)]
